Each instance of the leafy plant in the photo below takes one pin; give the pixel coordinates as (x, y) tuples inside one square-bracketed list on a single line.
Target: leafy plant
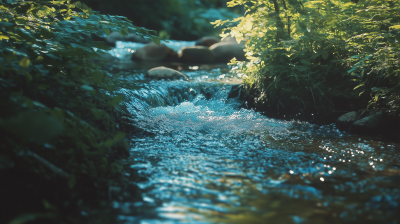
[(375, 63), (61, 148), (296, 51)]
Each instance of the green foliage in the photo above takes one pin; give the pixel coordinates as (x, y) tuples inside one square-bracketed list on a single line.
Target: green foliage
[(300, 52), (177, 19), (375, 64), (295, 51), (60, 150)]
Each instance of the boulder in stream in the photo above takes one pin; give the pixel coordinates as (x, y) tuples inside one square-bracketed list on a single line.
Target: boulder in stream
[(372, 124), (225, 51), (165, 73), (196, 54), (229, 39), (152, 52), (346, 120), (207, 41)]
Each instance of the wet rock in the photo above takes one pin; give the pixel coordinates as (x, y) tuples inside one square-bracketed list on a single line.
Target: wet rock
[(346, 120), (135, 38), (196, 54), (235, 91), (207, 41), (165, 73), (152, 52), (372, 124), (116, 36), (225, 51)]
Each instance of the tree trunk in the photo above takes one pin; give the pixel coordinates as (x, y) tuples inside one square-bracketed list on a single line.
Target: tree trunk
[(279, 24), (288, 19)]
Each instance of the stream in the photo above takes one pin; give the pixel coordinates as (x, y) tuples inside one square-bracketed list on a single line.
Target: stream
[(208, 158)]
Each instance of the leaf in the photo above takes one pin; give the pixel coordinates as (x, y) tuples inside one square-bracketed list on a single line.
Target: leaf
[(78, 46), (27, 217), (25, 62), (97, 77), (358, 86), (4, 37), (119, 136), (305, 62), (42, 69), (98, 113), (301, 68), (6, 24), (116, 100), (24, 218), (107, 31), (33, 126), (155, 40), (88, 88), (42, 86), (108, 143), (395, 27)]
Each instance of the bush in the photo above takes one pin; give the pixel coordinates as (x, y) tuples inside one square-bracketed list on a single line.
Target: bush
[(296, 53), (60, 150), (301, 53), (375, 64)]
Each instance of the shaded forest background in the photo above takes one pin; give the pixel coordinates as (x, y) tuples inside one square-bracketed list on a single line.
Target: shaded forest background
[(174, 19)]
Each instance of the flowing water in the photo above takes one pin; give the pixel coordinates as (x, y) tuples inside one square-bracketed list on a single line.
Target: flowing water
[(210, 159)]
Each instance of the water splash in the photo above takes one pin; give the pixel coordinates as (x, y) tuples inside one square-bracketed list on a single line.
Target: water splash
[(213, 161)]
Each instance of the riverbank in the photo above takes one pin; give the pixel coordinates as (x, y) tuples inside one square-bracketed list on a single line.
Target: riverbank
[(361, 121)]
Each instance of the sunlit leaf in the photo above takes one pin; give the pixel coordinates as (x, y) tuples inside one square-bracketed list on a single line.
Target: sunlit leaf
[(24, 62)]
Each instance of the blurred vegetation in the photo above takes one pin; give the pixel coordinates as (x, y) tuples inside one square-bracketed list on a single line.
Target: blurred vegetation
[(61, 147), (175, 19), (319, 57)]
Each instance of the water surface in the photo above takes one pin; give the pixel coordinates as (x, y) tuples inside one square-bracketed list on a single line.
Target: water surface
[(211, 159)]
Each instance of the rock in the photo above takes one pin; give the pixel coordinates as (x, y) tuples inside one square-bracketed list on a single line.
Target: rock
[(229, 39), (346, 120), (113, 38), (131, 37), (207, 41), (116, 36), (225, 51), (235, 91), (372, 124), (152, 52), (164, 73), (196, 54)]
